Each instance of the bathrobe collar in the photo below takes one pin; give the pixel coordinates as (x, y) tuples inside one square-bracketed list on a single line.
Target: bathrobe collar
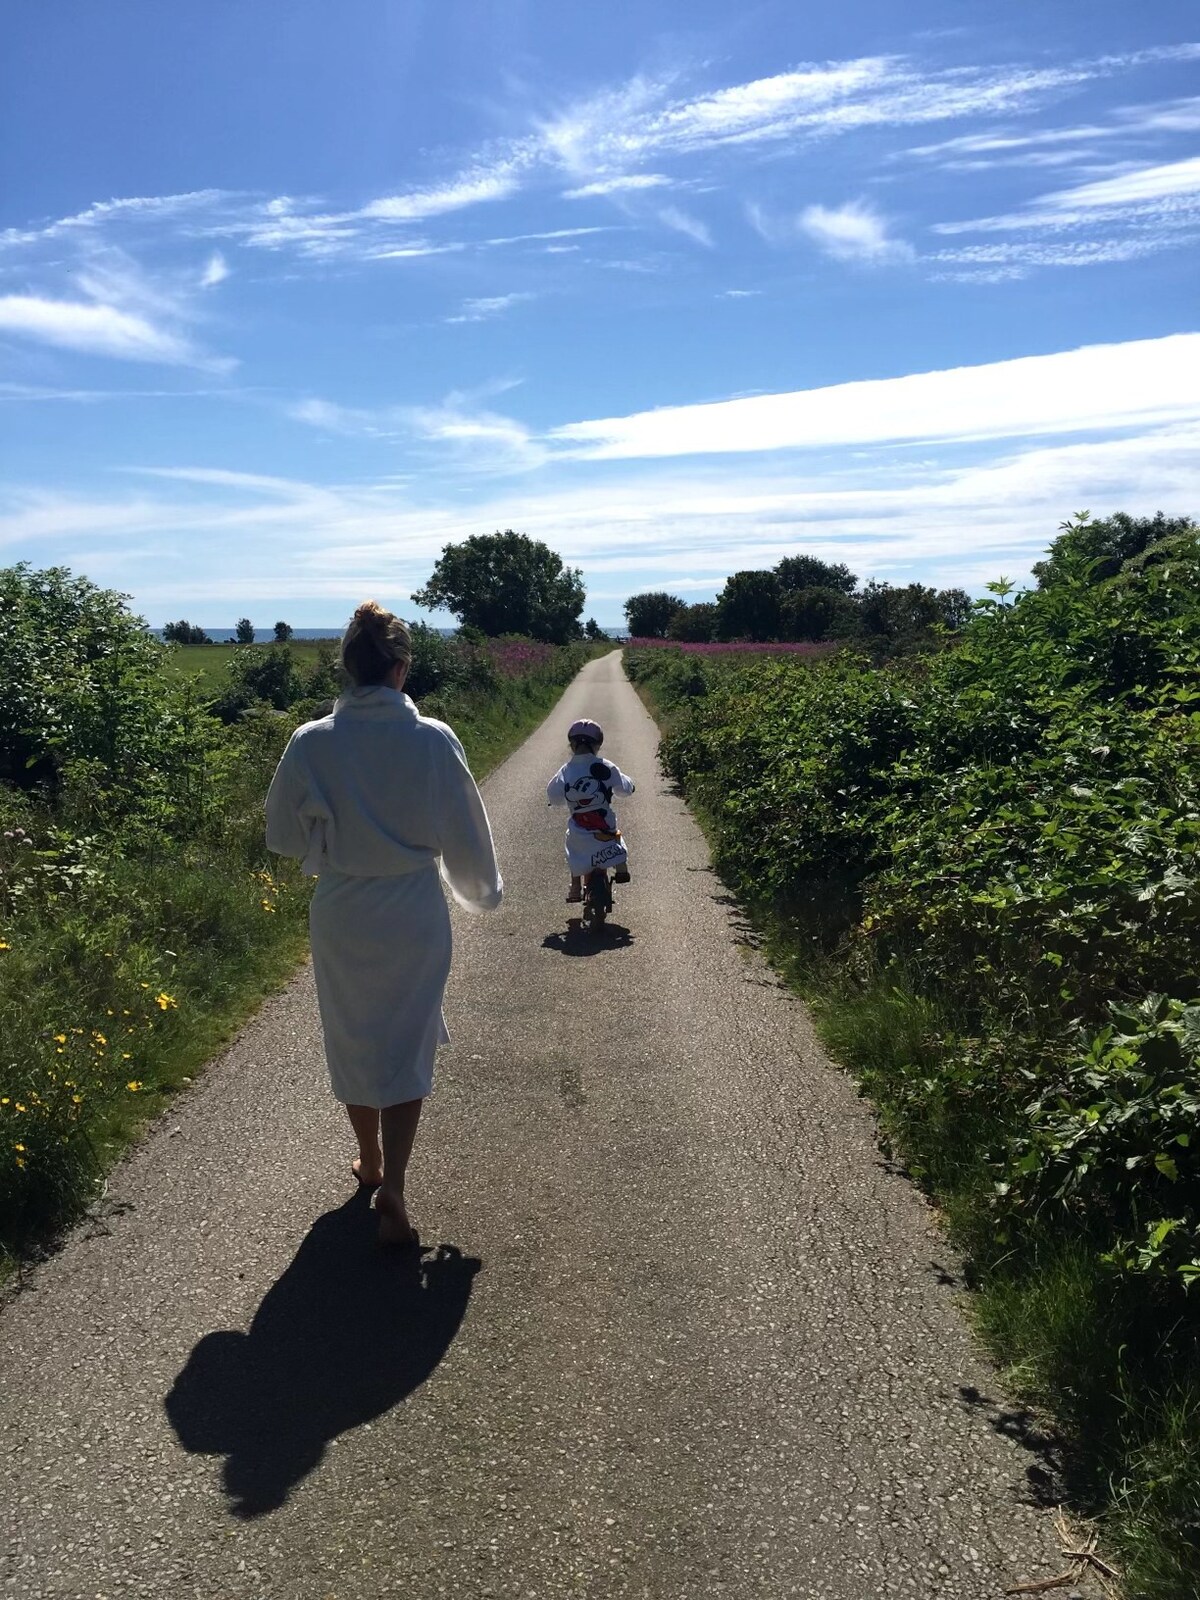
[(375, 700)]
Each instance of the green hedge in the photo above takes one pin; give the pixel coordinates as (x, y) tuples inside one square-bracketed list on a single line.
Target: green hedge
[(982, 866)]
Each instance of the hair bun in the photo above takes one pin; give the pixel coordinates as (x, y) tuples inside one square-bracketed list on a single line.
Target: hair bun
[(371, 615)]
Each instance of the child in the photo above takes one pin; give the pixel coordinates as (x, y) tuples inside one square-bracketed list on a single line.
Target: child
[(586, 785)]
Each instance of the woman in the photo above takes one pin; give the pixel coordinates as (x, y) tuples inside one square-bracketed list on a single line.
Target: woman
[(371, 799)]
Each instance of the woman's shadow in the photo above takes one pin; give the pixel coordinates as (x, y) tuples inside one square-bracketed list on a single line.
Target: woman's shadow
[(345, 1334)]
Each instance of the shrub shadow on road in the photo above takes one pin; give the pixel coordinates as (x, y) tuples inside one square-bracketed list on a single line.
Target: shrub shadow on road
[(344, 1335), (581, 941)]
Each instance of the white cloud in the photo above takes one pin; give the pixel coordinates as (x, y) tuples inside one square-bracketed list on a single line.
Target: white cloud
[(216, 271), (468, 189), (853, 232), (619, 185), (1097, 387), (945, 520), (94, 329), (682, 222), (479, 310), (1131, 188)]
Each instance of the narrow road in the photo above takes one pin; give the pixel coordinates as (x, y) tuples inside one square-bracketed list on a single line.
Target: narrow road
[(682, 1334)]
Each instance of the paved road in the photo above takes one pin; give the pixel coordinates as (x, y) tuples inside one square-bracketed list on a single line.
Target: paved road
[(683, 1333)]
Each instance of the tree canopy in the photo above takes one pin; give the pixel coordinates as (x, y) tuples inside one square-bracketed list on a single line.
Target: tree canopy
[(184, 632), (245, 631), (507, 583), (806, 572), (283, 632), (1095, 550), (649, 615)]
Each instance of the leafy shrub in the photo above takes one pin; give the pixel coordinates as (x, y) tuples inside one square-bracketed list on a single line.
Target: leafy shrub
[(983, 864)]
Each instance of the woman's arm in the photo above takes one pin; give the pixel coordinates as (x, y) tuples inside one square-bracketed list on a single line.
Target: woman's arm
[(287, 828), (469, 862)]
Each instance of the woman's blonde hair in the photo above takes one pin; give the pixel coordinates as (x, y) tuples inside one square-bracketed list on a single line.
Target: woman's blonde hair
[(373, 643)]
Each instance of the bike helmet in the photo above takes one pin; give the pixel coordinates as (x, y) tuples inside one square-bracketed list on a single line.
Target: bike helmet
[(585, 728)]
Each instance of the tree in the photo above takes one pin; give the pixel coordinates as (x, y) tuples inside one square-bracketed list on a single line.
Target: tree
[(82, 689), (507, 583), (694, 624), (592, 630), (283, 632), (748, 606), (817, 614), (649, 615), (245, 631), (806, 572), (182, 632), (1097, 550)]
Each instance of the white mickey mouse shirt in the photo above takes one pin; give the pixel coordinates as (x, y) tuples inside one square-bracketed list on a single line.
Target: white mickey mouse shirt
[(586, 785)]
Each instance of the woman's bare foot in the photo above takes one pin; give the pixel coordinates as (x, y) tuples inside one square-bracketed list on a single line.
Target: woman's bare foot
[(394, 1226), (368, 1173)]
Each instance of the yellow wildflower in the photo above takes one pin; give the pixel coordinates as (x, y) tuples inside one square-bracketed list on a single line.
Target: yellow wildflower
[(19, 1147), (4, 945), (60, 1038), (125, 1056), (99, 1037), (20, 1107), (76, 1099), (134, 1085), (166, 1002)]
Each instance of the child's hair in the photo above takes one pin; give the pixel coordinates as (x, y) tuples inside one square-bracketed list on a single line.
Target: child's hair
[(374, 642)]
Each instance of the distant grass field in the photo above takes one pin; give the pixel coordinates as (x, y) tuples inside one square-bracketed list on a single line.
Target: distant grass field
[(206, 663)]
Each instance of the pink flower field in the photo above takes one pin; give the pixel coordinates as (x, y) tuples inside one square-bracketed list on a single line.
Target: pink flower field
[(515, 658)]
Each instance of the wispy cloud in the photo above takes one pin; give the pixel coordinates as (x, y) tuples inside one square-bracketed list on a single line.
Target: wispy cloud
[(1097, 387), (681, 221), (469, 189), (216, 270), (95, 329), (487, 306), (624, 184), (853, 232)]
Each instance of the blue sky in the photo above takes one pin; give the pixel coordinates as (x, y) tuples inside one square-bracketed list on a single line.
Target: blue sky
[(291, 295)]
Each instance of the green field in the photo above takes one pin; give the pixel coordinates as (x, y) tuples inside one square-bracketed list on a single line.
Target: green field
[(206, 663)]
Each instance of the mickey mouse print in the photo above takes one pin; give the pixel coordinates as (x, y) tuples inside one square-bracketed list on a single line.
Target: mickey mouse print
[(586, 786)]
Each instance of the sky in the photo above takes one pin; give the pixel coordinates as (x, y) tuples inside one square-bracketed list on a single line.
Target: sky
[(292, 295)]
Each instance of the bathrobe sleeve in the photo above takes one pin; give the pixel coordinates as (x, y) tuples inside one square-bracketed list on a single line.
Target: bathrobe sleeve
[(287, 830), (469, 864), (296, 817)]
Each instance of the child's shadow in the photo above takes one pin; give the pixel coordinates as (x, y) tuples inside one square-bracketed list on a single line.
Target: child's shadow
[(344, 1335), (581, 941)]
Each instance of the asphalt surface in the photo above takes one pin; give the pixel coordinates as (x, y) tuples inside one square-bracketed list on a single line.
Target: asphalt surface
[(678, 1330)]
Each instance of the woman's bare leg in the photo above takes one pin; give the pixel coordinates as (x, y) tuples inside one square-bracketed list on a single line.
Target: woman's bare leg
[(399, 1127), (368, 1167)]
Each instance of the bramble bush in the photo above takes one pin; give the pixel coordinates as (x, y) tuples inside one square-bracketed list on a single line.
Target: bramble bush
[(982, 864)]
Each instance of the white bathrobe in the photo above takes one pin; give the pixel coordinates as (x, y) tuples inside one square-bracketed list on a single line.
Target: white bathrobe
[(373, 799)]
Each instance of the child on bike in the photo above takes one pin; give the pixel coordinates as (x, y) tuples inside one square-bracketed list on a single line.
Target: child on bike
[(586, 784)]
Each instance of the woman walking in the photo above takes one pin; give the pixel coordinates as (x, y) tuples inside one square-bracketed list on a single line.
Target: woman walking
[(372, 799)]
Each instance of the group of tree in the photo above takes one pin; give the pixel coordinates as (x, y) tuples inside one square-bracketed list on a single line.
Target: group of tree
[(802, 599), (183, 632)]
